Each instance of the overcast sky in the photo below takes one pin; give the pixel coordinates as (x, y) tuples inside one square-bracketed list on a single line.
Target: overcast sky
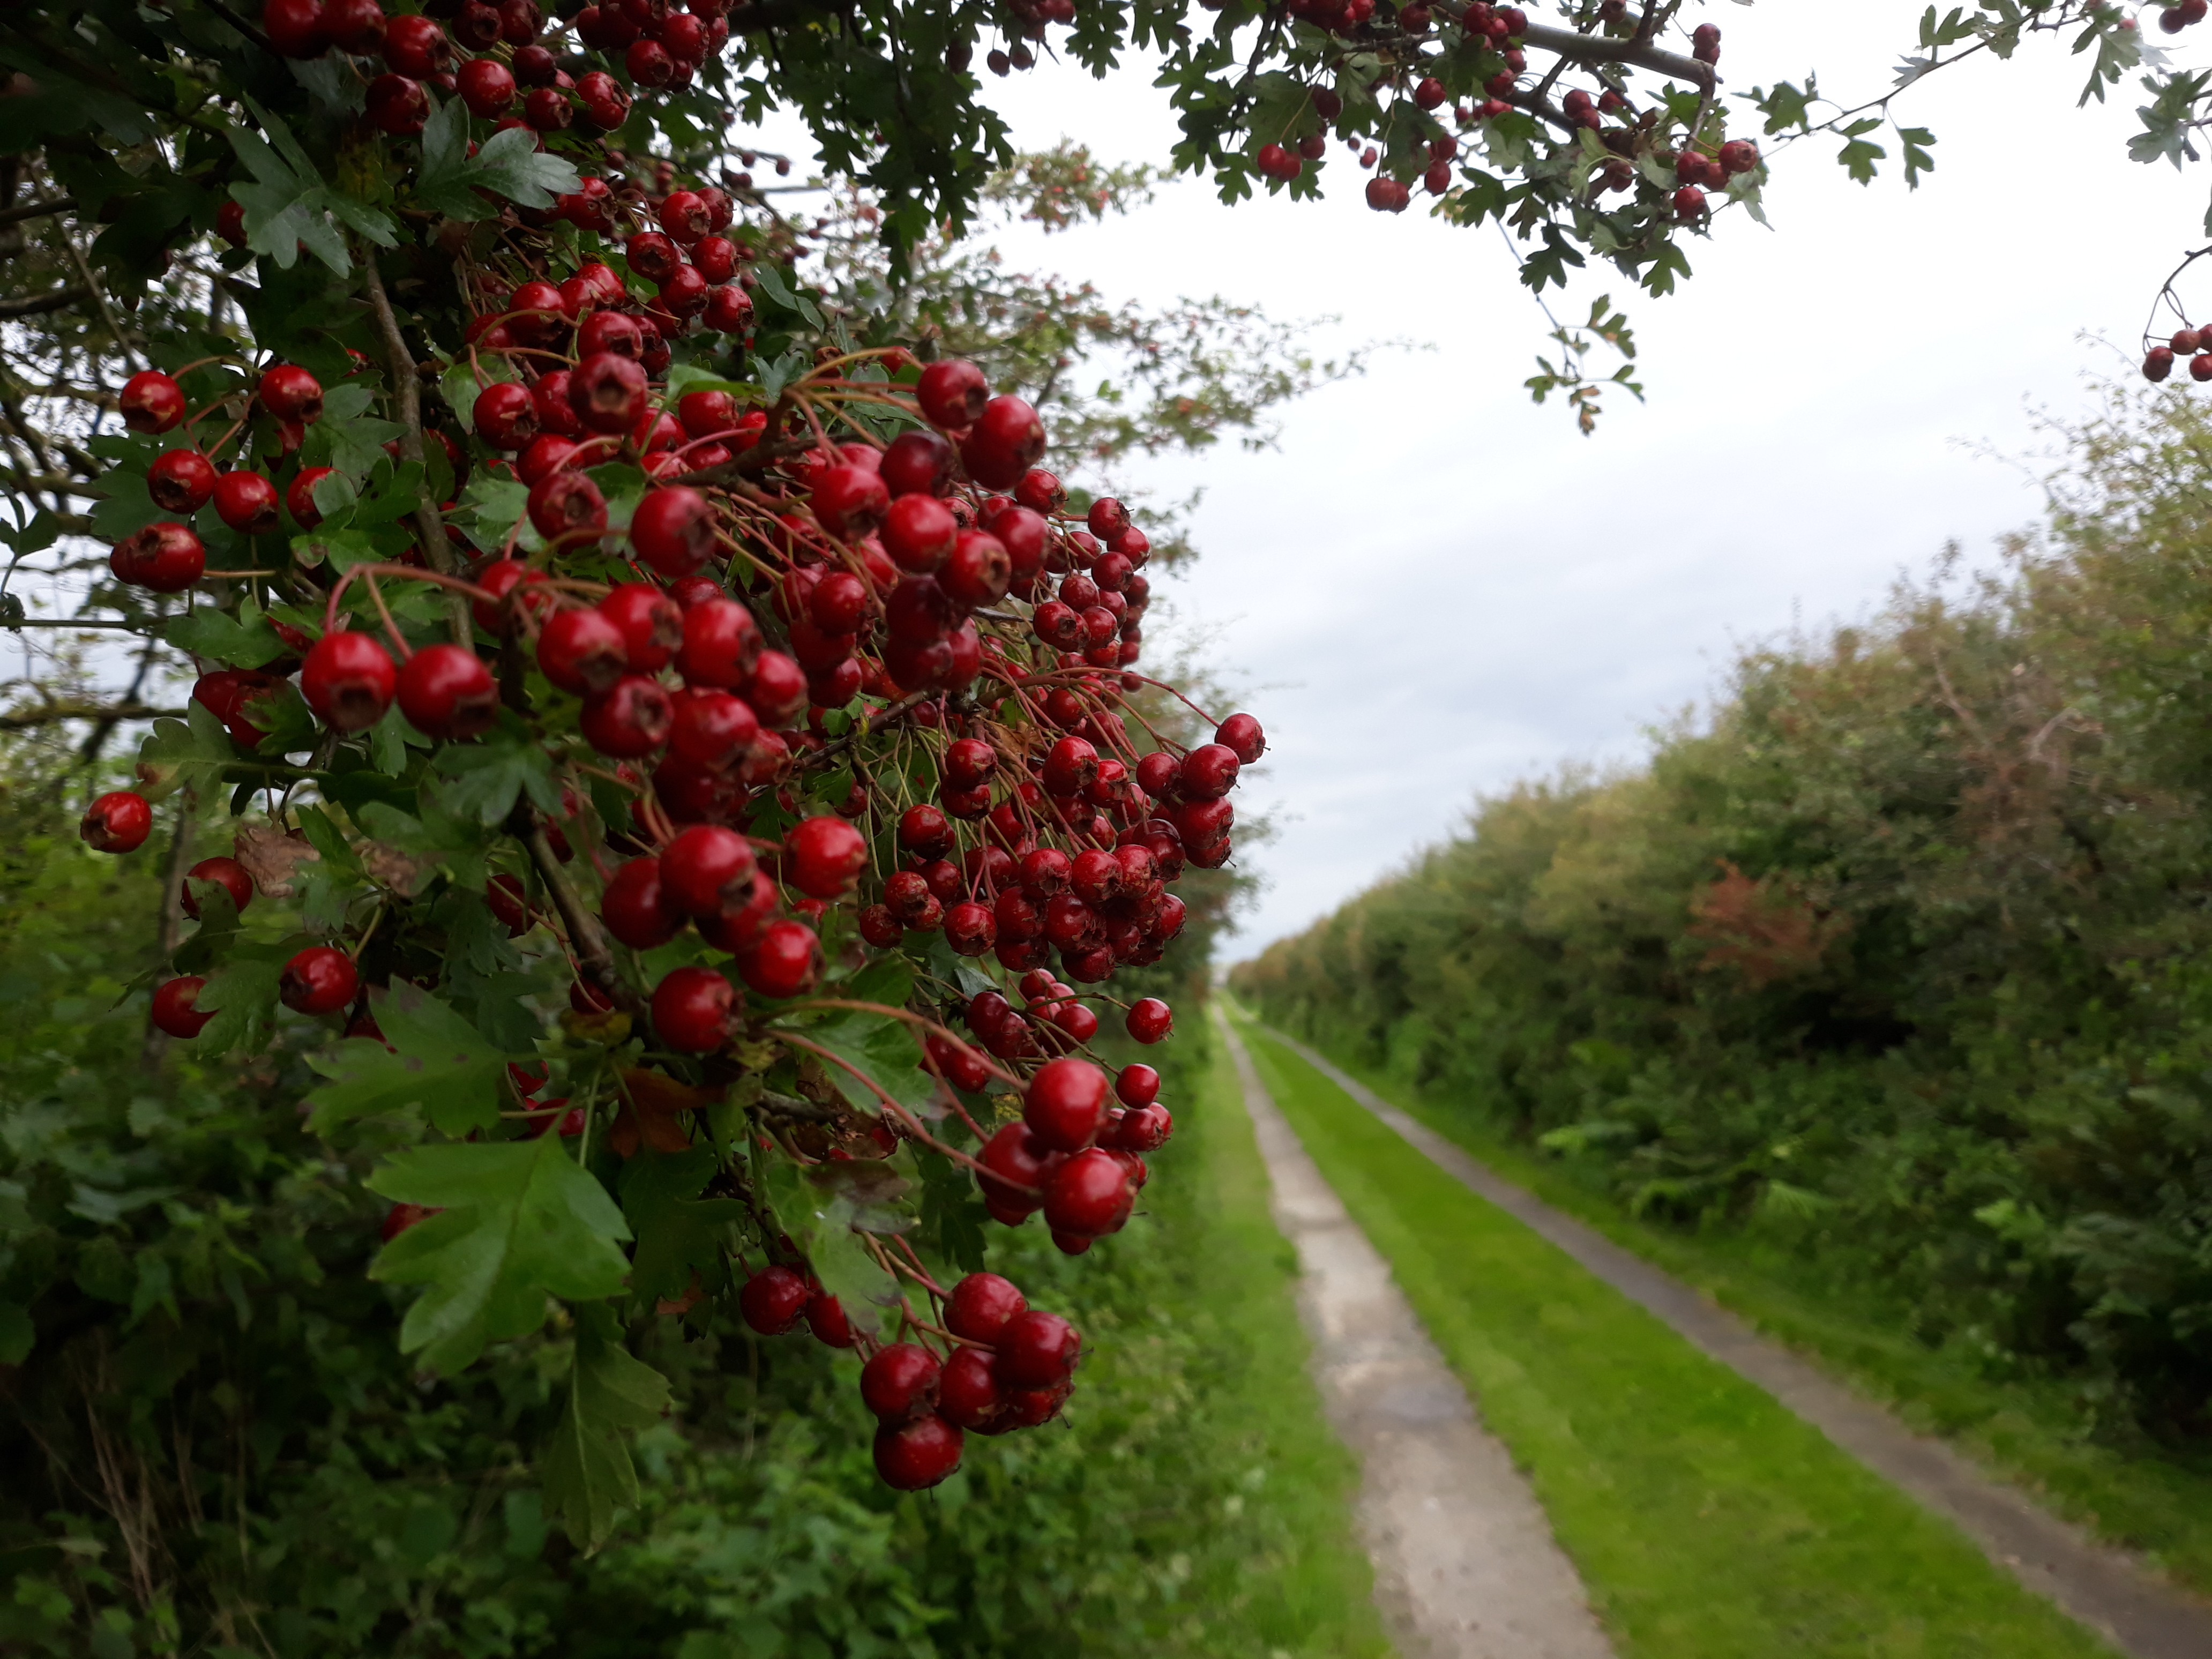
[(1433, 587)]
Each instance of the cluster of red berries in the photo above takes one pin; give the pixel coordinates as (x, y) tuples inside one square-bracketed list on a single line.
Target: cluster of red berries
[(1492, 31), (2194, 344), (788, 587), (996, 1365), (660, 48), (2175, 18)]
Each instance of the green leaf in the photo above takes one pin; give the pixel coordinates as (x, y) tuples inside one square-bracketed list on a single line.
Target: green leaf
[(288, 205), (123, 506), (521, 1223), (243, 994), (507, 163), (245, 642), (881, 1048), (485, 778), (952, 1216), (587, 1470), (678, 1233), (191, 750), (443, 1065), (490, 508)]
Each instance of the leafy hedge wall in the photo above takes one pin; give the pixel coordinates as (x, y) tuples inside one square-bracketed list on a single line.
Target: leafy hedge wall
[(212, 1443), (1904, 955)]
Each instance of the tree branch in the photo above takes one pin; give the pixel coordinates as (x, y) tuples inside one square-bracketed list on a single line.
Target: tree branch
[(16, 215), (39, 304), (586, 937), (53, 714), (409, 387), (1597, 49)]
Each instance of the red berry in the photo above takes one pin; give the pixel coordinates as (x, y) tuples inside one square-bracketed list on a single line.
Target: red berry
[(849, 501), (295, 27), (348, 681), (785, 962), (637, 909), (693, 1009), (581, 651), (979, 1306), (486, 86), (181, 481), (504, 579), (228, 871), (684, 217), (899, 1382), (506, 414), (1208, 772), (917, 463), (447, 692), (1065, 1105), (164, 557), (398, 105), (1241, 735), (417, 47), (2158, 363), (825, 1317), (1150, 1019), (979, 570), (968, 1391), (177, 1010), (290, 393), (1136, 1085), (300, 495), (246, 502), (1037, 1351), (774, 1301), (511, 905), (630, 720), (823, 855), (1689, 204), (118, 821), (567, 508), (919, 533), (354, 26), (151, 402), (915, 1457), (722, 644), (952, 393), (1007, 441), (1089, 1195), (707, 870), (608, 391), (320, 980), (673, 530), (1143, 1129), (651, 625)]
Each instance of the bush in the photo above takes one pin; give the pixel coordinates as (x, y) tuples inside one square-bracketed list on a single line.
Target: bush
[(1902, 959)]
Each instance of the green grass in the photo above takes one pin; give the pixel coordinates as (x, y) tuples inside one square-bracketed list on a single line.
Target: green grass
[(2029, 1431), (1707, 1521)]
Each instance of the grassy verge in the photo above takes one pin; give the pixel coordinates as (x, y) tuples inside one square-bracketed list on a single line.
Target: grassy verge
[(1707, 1521), (2029, 1431)]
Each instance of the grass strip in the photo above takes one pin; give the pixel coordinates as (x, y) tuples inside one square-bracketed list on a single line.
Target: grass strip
[(1707, 1521), (2029, 1431)]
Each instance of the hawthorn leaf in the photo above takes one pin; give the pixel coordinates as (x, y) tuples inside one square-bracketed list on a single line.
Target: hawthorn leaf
[(587, 1469), (679, 1232), (483, 779), (952, 1217), (288, 205), (507, 163), (442, 1064), (245, 641), (521, 1222), (190, 751)]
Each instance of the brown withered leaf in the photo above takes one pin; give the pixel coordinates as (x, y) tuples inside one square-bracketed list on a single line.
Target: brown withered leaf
[(270, 857), (656, 1091), (388, 866)]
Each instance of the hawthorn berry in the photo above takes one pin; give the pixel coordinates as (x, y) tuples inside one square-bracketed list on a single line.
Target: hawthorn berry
[(319, 980), (916, 1456), (722, 644), (693, 1009), (637, 909), (181, 481), (968, 1391), (821, 855), (163, 558), (631, 719), (952, 393), (652, 626), (1065, 1103), (825, 1317), (151, 402), (1150, 1019), (118, 822), (981, 1305), (176, 1007), (245, 502), (581, 651), (774, 1301), (348, 680), (1037, 1350), (899, 1382), (784, 961), (447, 692), (707, 869), (226, 870)]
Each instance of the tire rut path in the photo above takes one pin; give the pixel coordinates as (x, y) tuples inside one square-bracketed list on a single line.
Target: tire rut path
[(1465, 1564), (2108, 1590)]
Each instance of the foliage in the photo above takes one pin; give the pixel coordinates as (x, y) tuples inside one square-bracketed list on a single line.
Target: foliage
[(1900, 962)]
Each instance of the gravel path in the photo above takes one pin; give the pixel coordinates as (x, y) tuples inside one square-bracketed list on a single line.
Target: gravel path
[(2101, 1587), (1465, 1566)]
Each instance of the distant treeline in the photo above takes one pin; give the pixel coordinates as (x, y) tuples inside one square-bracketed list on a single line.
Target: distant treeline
[(1906, 956)]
